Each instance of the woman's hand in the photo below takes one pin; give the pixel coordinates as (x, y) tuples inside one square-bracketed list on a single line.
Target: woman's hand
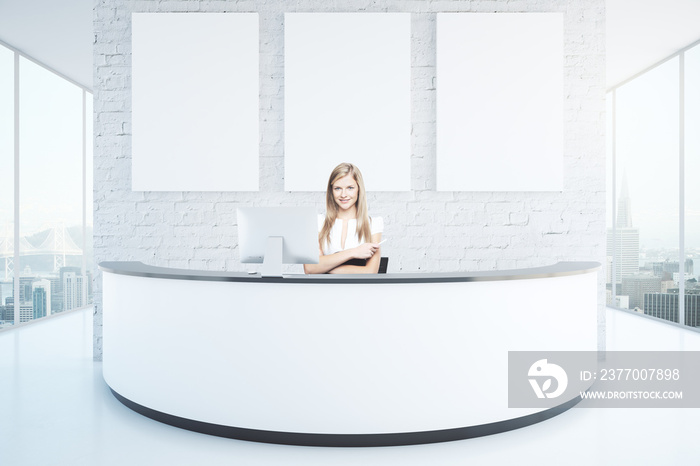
[(365, 250)]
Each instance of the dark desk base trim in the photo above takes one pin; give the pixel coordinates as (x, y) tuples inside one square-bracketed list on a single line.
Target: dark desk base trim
[(347, 440)]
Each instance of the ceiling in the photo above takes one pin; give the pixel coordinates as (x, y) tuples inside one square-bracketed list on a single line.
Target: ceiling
[(59, 33), (641, 33)]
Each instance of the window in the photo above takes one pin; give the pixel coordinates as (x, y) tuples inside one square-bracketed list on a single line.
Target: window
[(654, 208), (691, 139), (45, 261)]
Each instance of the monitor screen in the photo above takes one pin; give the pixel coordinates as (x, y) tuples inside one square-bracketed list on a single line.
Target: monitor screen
[(297, 227)]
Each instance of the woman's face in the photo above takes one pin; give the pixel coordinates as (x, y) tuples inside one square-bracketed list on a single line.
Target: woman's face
[(345, 192)]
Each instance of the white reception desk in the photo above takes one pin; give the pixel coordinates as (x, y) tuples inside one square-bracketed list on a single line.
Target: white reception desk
[(338, 360)]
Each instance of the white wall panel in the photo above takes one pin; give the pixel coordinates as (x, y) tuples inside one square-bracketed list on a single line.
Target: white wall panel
[(500, 101), (195, 102), (347, 98), (428, 231)]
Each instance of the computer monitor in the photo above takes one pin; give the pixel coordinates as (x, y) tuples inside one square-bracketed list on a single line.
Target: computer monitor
[(276, 235)]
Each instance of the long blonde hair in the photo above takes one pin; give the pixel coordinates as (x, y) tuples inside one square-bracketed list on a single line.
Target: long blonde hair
[(364, 232)]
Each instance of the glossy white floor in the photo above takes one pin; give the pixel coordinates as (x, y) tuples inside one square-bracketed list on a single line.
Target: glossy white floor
[(55, 409)]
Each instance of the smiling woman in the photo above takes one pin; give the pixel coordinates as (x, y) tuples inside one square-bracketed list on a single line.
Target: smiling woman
[(347, 232)]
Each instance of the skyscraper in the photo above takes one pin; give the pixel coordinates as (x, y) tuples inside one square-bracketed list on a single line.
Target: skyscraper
[(41, 298), (671, 267), (625, 248), (74, 291), (81, 291), (61, 287), (25, 288), (665, 306), (56, 294), (637, 286), (26, 312), (624, 206)]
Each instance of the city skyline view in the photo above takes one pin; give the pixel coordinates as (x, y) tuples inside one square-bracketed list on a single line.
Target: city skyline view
[(653, 149), (54, 181)]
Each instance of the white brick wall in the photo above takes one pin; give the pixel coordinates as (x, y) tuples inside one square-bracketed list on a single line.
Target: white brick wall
[(429, 230)]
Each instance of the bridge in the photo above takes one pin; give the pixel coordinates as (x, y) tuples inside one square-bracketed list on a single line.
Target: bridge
[(58, 244)]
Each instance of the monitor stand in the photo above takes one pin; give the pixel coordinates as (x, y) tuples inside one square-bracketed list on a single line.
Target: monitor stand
[(272, 262)]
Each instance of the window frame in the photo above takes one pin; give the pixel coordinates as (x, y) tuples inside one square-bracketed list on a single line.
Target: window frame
[(17, 55), (611, 93)]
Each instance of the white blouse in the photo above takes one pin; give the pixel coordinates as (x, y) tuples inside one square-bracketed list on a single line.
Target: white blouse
[(351, 241)]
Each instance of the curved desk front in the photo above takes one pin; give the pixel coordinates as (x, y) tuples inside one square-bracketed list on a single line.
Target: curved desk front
[(328, 360)]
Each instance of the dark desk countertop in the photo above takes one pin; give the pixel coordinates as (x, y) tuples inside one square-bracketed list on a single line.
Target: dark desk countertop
[(559, 269)]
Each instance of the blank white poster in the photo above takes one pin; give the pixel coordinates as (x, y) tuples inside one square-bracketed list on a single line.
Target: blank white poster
[(347, 98), (195, 102), (500, 101)]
